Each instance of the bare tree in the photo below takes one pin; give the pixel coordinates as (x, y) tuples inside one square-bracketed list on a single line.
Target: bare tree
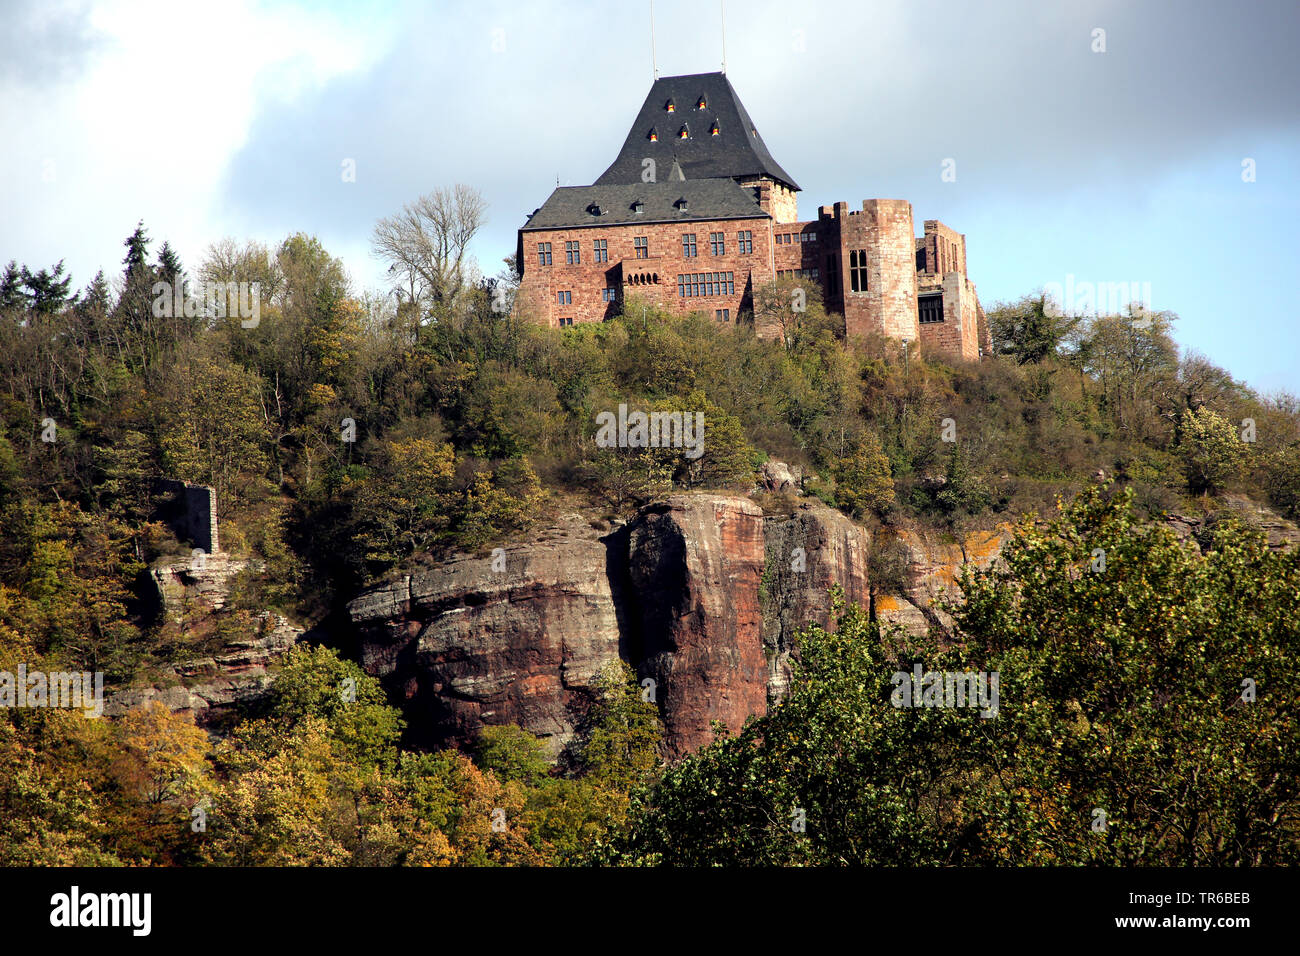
[(427, 244)]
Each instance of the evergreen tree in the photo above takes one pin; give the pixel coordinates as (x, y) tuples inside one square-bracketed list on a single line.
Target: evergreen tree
[(47, 289), (12, 292)]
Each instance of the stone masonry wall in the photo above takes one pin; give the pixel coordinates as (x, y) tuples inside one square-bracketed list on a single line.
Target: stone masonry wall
[(653, 279), (884, 229)]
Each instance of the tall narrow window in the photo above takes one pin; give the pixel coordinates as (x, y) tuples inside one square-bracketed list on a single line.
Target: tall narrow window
[(543, 253), (717, 244), (572, 253), (642, 244), (600, 248), (564, 297), (745, 240), (858, 270), (688, 245)]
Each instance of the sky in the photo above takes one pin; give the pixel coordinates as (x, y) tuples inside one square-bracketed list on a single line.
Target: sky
[(1154, 143)]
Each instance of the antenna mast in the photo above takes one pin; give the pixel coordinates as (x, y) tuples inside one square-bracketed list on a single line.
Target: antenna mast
[(723, 4), (654, 60)]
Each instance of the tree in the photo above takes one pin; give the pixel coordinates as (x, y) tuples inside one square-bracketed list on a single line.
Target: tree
[(137, 251), (1157, 690), (315, 683), (621, 738), (427, 244), (511, 753), (12, 295), (787, 305), (862, 480), (1029, 330), (212, 429), (48, 289), (1213, 452)]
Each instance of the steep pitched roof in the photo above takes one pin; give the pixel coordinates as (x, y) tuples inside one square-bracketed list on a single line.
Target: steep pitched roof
[(614, 205), (735, 150)]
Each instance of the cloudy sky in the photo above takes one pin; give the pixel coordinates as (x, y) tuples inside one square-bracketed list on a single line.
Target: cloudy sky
[(1130, 165)]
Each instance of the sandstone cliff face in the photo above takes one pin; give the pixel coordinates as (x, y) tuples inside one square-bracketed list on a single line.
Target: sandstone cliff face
[(209, 688), (931, 562), (701, 594), (808, 553), (478, 641), (695, 564)]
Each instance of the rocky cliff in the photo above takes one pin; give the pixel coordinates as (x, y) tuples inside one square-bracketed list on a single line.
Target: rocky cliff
[(209, 687), (514, 638), (701, 594)]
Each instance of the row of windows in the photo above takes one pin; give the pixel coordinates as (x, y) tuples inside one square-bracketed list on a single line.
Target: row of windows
[(692, 284), (683, 133), (641, 244), (565, 296), (788, 238), (671, 107), (798, 273)]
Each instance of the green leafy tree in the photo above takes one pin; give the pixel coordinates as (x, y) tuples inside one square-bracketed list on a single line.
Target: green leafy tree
[(1213, 452), (620, 747), (1155, 690), (511, 753), (862, 480), (1030, 330)]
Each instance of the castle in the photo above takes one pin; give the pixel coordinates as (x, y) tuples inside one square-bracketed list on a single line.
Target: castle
[(695, 215)]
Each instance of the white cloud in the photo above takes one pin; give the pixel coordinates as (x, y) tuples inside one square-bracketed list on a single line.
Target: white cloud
[(161, 97)]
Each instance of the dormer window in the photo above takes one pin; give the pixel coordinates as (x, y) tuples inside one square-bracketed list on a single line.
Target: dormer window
[(638, 206), (595, 209), (670, 107), (713, 131), (701, 104), (682, 205), (683, 132), (654, 136)]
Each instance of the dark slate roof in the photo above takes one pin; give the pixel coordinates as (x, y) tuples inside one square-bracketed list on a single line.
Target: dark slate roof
[(571, 206), (736, 151)]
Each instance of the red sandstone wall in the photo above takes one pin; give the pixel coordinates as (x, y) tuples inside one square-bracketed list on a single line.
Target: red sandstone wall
[(654, 279), (884, 229)]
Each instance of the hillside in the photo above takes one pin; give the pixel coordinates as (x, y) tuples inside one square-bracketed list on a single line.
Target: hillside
[(448, 622)]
